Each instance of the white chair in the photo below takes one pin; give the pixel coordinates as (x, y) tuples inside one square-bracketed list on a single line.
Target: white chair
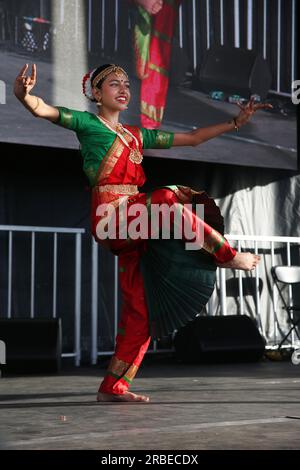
[(285, 276)]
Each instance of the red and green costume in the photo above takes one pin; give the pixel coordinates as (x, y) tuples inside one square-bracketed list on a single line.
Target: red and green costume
[(163, 285), (152, 44)]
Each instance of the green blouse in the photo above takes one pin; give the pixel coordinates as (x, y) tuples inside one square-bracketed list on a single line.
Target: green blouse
[(96, 139)]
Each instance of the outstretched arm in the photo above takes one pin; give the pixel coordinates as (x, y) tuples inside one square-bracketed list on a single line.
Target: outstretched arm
[(36, 105), (198, 136)]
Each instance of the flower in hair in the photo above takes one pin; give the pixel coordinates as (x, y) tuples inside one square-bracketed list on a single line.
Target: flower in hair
[(86, 85)]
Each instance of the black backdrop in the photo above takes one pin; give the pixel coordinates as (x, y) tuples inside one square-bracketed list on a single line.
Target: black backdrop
[(46, 187)]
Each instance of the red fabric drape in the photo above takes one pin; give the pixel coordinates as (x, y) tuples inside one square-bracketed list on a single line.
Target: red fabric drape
[(154, 86)]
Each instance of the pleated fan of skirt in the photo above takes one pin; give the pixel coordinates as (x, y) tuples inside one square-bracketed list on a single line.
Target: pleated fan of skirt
[(179, 282)]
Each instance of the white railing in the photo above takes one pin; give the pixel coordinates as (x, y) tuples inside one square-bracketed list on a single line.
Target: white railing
[(260, 245), (219, 301), (264, 308), (56, 231)]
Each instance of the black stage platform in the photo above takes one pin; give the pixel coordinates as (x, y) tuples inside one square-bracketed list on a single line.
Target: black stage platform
[(229, 406)]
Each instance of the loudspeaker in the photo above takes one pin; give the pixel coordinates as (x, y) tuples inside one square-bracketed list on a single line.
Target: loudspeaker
[(235, 71), (232, 338), (32, 345)]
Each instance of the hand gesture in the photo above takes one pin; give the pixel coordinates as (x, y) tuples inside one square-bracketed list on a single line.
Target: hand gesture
[(248, 110), (151, 6), (24, 84)]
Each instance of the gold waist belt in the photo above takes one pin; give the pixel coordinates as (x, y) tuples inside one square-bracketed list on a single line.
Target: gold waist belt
[(118, 188)]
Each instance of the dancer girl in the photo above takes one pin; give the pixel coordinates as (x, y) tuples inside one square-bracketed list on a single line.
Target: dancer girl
[(164, 285)]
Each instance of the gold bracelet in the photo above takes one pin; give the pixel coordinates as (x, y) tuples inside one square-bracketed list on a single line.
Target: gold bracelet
[(37, 104)]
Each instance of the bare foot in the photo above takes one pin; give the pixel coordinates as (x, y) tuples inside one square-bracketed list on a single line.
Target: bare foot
[(243, 261), (127, 396)]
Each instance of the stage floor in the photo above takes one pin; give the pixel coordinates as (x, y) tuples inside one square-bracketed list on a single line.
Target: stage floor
[(230, 406)]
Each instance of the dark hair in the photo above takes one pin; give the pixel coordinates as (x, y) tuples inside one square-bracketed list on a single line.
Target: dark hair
[(97, 71)]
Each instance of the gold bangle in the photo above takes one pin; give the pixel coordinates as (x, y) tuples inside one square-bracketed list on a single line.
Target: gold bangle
[(37, 104)]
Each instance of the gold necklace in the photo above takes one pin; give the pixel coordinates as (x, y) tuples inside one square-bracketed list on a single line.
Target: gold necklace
[(135, 155), (110, 123)]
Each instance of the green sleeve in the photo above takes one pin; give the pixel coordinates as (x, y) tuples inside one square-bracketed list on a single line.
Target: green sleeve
[(156, 139), (71, 119)]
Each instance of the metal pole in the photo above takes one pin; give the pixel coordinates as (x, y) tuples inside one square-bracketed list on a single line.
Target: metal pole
[(9, 290), (293, 39), (278, 43), (194, 36), (54, 276), (265, 30), (32, 286), (236, 23), (42, 9), (288, 253), (257, 294), (250, 24), (180, 26), (241, 294), (94, 306), (77, 331), (222, 22), (223, 291), (274, 295), (210, 306), (207, 24)]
